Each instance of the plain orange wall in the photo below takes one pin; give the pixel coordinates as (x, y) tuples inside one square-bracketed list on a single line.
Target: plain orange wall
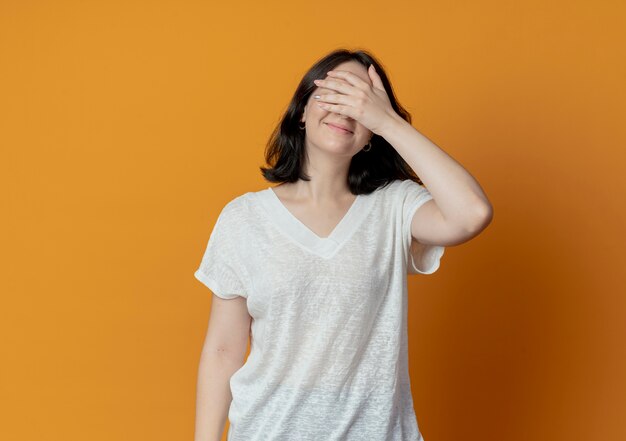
[(125, 126)]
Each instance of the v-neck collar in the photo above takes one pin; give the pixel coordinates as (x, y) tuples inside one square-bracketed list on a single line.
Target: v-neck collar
[(291, 226)]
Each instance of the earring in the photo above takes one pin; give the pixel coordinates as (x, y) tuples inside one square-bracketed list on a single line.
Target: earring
[(369, 146), (302, 127)]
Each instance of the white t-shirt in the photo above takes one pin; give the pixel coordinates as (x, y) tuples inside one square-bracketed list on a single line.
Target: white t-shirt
[(328, 357)]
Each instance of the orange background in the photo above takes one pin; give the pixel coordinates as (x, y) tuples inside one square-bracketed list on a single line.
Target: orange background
[(125, 126)]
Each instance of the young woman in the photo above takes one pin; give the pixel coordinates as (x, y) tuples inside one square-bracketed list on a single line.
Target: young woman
[(315, 269)]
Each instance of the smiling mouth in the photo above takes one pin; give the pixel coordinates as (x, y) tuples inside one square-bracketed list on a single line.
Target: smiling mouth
[(338, 129)]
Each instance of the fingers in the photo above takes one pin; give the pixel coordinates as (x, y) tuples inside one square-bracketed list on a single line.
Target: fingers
[(339, 86), (376, 81), (336, 108), (334, 98), (350, 78)]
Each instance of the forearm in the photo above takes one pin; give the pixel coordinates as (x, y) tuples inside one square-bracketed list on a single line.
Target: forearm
[(213, 395), (457, 194)]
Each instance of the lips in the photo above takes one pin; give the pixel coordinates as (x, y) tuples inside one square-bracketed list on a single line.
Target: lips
[(340, 126)]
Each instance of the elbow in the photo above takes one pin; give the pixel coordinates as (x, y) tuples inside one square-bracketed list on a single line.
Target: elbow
[(481, 218)]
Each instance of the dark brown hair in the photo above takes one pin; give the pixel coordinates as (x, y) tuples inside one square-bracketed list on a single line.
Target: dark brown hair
[(368, 170)]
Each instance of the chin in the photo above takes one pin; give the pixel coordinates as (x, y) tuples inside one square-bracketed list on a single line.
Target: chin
[(340, 149)]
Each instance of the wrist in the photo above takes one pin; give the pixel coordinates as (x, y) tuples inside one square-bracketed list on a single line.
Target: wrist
[(392, 124)]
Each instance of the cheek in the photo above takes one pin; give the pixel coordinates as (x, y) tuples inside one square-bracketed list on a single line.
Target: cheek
[(362, 133), (316, 110)]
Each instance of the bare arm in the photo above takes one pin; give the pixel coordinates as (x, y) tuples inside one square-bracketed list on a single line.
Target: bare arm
[(460, 209), (223, 353)]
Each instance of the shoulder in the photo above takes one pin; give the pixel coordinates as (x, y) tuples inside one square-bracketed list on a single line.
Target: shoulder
[(407, 183), (235, 204), (403, 193), (399, 187), (237, 210)]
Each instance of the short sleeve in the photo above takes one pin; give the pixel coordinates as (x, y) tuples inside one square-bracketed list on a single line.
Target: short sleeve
[(220, 269), (421, 259)]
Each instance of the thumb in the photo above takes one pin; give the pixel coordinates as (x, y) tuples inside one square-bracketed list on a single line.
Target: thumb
[(376, 81)]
